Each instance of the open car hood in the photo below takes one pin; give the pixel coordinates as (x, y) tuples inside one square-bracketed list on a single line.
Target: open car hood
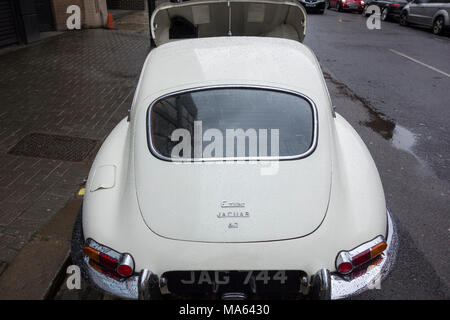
[(220, 18)]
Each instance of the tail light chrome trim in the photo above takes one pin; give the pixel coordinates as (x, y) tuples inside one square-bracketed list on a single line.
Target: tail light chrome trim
[(359, 255), (343, 286), (108, 258), (126, 260)]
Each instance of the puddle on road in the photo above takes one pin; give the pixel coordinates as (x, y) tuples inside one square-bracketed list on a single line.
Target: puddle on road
[(403, 139), (400, 137), (379, 123)]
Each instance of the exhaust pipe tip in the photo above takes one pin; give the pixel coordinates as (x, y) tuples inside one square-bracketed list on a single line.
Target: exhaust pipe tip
[(234, 296)]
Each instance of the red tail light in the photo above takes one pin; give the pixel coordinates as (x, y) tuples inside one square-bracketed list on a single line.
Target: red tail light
[(345, 267), (126, 265), (396, 5), (124, 270), (106, 272), (361, 258), (347, 261), (109, 262)]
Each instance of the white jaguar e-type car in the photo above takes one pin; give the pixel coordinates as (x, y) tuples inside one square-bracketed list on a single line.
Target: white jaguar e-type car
[(232, 176)]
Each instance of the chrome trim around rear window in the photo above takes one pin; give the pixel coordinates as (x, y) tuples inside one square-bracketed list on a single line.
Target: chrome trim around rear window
[(267, 158)]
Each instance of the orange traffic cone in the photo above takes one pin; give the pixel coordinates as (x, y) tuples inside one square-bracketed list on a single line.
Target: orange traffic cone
[(110, 22)]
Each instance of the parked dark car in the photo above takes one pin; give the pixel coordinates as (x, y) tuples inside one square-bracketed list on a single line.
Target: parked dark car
[(389, 9), (346, 5), (313, 5), (433, 14)]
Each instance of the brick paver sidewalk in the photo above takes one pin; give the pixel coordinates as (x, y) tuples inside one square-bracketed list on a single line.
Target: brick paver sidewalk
[(79, 85)]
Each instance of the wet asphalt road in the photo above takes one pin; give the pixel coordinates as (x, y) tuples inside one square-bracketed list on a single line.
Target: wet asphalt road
[(401, 110), (369, 62)]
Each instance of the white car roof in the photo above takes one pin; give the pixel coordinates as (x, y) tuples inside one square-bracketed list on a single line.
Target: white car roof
[(255, 61)]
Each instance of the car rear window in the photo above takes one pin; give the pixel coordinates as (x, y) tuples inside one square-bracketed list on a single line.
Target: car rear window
[(223, 123)]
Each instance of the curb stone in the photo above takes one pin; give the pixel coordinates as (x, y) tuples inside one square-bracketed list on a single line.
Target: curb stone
[(34, 273)]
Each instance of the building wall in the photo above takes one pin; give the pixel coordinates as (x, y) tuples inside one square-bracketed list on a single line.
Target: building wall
[(22, 21), (127, 4), (93, 13), (59, 12), (8, 29)]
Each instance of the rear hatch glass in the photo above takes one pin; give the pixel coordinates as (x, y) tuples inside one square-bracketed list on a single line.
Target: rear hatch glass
[(232, 123)]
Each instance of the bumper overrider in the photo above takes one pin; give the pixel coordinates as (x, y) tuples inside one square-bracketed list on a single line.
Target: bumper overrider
[(324, 284)]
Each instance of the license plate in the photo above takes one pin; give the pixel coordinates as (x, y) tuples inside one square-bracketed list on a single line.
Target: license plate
[(261, 281), (310, 5)]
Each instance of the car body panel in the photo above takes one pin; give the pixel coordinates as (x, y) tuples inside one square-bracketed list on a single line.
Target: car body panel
[(196, 57), (301, 189), (296, 213), (313, 4), (355, 215), (347, 5), (425, 12), (356, 211), (394, 7)]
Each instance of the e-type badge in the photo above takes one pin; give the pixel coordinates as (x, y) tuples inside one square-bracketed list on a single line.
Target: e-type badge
[(232, 213)]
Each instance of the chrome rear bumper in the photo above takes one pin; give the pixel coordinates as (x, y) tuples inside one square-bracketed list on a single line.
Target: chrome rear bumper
[(127, 288), (325, 285)]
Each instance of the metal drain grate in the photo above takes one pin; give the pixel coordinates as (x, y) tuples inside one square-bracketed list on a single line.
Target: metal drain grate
[(56, 147)]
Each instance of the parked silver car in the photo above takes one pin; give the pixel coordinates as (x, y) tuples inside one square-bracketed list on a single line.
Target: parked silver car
[(434, 14)]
